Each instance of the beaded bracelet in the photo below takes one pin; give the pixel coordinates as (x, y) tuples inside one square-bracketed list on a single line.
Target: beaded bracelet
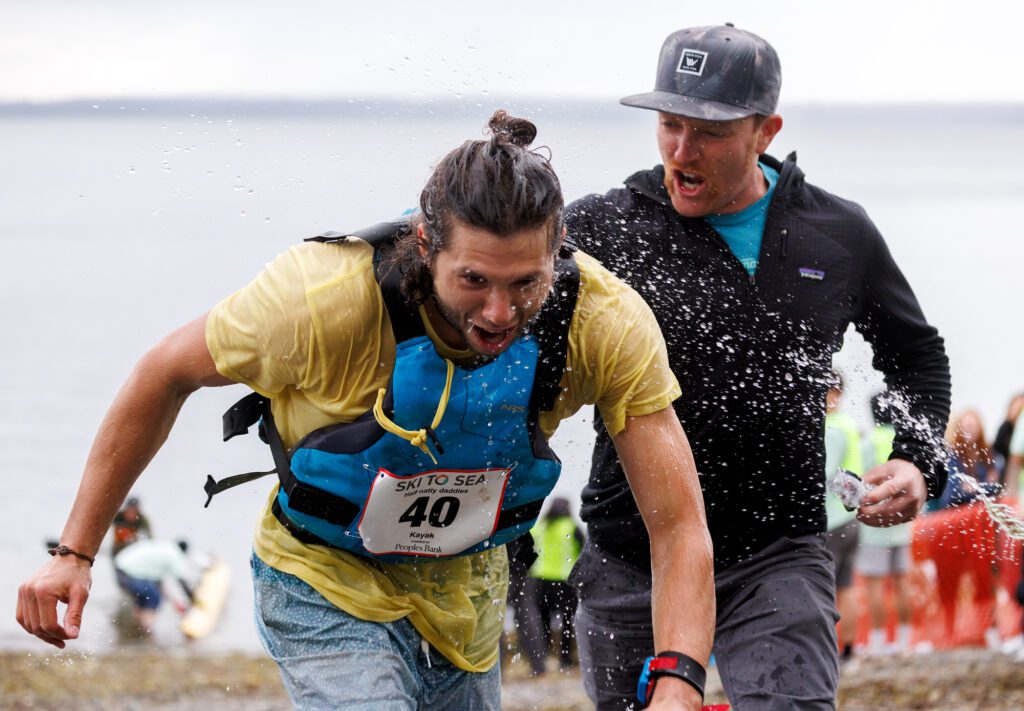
[(64, 550)]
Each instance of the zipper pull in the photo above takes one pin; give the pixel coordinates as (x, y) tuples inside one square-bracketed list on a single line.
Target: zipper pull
[(785, 242)]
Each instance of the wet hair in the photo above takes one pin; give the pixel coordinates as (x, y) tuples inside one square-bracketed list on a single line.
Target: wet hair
[(496, 185)]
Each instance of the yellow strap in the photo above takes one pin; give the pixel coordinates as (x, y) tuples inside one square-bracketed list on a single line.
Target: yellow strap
[(417, 438)]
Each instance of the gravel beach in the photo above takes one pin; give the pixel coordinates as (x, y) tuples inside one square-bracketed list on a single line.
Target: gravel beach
[(172, 680)]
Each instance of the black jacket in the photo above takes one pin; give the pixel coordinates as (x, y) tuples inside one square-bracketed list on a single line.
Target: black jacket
[(752, 354)]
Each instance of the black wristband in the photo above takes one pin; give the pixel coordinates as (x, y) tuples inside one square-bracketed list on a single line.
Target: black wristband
[(63, 550), (684, 667)]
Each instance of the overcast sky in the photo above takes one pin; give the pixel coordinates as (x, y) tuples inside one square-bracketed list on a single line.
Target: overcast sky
[(861, 52)]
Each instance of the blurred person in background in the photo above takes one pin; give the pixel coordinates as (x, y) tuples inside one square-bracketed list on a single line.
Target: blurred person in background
[(971, 466), (548, 596), (141, 569), (1014, 474), (129, 525), (842, 451), (884, 557), (521, 554), (1001, 443), (1015, 460)]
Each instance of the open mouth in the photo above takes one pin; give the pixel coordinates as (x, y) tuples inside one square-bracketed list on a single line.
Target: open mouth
[(689, 183), (493, 341)]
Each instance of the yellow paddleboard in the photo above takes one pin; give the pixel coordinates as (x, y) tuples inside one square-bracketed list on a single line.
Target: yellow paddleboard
[(210, 594)]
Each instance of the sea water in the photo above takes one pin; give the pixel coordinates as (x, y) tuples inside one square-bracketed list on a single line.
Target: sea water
[(120, 222)]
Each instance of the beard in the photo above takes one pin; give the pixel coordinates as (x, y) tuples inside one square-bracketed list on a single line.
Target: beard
[(464, 327)]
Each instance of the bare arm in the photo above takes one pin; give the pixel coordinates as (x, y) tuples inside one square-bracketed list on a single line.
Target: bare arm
[(132, 432), (663, 477)]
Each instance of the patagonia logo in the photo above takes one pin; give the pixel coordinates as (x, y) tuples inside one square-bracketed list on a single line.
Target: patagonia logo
[(692, 62), (513, 408), (808, 273)]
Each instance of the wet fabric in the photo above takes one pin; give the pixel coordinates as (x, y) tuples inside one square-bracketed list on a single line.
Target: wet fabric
[(332, 660), (771, 656), (311, 333), (753, 356)]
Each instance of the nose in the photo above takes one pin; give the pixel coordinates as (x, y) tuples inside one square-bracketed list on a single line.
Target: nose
[(499, 309), (686, 149)]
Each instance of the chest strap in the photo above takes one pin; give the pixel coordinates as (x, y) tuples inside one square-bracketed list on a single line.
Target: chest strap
[(550, 327), (253, 409)]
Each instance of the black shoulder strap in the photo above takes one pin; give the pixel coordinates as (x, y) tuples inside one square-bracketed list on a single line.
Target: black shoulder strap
[(378, 235), (244, 414), (236, 421), (405, 321)]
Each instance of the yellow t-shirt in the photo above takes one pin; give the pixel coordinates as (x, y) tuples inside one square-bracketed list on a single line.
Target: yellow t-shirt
[(311, 332)]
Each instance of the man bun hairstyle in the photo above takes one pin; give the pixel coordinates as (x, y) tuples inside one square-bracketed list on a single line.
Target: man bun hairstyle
[(497, 185), (509, 129)]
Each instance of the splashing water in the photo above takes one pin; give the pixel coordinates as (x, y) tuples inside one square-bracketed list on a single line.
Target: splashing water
[(1004, 516), (849, 488)]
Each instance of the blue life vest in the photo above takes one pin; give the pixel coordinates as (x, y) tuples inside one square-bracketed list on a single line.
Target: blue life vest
[(452, 462)]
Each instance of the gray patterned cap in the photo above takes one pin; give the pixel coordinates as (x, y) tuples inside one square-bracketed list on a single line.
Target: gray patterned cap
[(717, 73)]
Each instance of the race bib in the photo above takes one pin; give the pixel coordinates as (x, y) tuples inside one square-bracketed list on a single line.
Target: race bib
[(436, 513)]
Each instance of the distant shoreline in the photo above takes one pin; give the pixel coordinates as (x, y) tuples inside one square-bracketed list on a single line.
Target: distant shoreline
[(441, 108)]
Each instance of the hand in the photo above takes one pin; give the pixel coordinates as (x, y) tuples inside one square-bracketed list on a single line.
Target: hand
[(65, 579), (898, 495), (673, 693)]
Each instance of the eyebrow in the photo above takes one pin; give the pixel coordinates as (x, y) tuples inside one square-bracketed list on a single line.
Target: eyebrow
[(466, 271)]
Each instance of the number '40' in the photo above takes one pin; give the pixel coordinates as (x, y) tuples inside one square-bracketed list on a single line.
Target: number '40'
[(442, 512)]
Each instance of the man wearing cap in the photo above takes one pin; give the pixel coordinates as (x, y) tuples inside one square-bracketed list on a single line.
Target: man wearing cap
[(753, 275)]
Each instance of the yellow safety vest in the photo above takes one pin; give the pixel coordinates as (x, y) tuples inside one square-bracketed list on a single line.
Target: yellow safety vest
[(853, 461), (556, 546)]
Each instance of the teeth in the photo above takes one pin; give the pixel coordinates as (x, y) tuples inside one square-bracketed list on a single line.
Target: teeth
[(690, 181), (491, 336)]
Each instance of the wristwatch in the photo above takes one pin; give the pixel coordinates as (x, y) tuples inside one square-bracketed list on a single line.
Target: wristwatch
[(669, 664)]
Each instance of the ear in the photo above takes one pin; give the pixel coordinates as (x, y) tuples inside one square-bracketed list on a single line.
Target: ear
[(422, 243), (767, 132), (561, 239)]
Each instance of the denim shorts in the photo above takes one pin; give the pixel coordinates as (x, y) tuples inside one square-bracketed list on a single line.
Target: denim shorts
[(332, 660), (145, 593)]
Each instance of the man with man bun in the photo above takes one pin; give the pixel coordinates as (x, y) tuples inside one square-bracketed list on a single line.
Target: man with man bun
[(408, 378)]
